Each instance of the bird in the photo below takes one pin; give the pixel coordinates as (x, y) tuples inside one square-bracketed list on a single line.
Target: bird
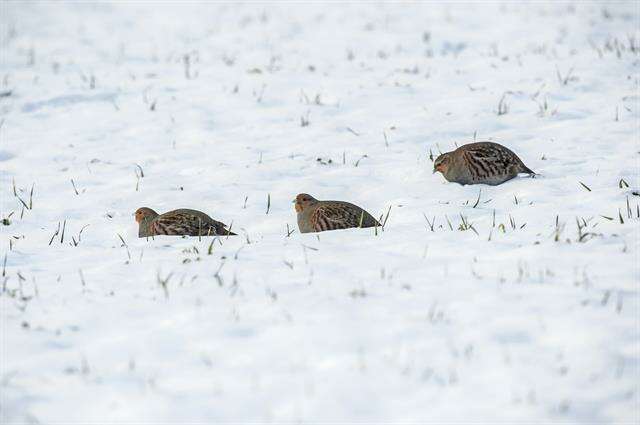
[(320, 216), (480, 163), (181, 222)]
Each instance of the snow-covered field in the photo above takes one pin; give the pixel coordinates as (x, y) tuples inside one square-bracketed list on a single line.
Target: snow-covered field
[(515, 303)]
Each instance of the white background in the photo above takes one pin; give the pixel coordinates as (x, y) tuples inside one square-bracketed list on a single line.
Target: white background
[(517, 320)]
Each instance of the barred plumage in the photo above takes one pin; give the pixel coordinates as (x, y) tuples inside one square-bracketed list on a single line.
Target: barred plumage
[(182, 222), (320, 216), (480, 163)]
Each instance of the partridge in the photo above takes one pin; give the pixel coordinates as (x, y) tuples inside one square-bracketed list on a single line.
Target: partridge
[(319, 216), (182, 222), (480, 163)]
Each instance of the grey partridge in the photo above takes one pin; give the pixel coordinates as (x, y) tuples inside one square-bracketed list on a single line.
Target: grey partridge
[(480, 163), (182, 222), (320, 216)]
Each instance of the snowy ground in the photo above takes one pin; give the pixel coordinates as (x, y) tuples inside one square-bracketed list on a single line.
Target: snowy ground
[(531, 316)]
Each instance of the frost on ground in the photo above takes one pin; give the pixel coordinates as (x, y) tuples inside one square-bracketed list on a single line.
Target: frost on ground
[(511, 303)]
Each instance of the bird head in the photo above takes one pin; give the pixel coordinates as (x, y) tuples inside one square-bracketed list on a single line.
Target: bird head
[(442, 163), (144, 213), (303, 201)]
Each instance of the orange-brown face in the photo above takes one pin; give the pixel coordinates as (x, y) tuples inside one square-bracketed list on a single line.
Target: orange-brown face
[(303, 200), (142, 213), (441, 163)]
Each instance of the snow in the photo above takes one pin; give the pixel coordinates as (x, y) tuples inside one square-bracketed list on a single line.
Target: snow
[(520, 320)]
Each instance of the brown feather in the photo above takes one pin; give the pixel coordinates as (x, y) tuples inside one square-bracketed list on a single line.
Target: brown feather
[(320, 216), (183, 222), (481, 162)]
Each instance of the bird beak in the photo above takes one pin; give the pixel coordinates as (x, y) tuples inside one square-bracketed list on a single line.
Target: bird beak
[(293, 202), (434, 170)]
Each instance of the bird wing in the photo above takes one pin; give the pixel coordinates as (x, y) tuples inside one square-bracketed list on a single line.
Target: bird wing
[(330, 218), (185, 223), (500, 155), (338, 216), (486, 160)]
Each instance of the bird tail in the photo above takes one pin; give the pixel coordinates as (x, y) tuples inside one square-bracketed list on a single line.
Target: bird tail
[(221, 229), (528, 170), (225, 231)]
